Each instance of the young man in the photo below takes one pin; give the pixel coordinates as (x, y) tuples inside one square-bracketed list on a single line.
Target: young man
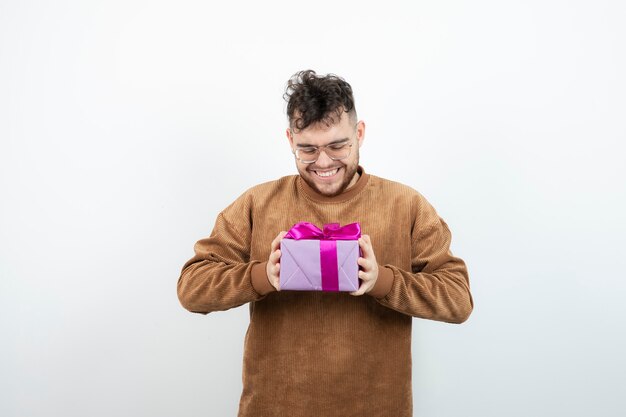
[(310, 353)]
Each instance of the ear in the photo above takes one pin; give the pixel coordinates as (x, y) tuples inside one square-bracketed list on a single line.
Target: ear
[(289, 137), (360, 132)]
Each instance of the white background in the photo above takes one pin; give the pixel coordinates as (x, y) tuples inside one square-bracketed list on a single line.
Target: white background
[(126, 126)]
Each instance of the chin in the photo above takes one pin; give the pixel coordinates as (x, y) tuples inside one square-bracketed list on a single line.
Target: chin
[(328, 188)]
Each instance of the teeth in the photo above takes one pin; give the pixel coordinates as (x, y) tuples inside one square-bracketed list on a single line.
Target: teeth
[(327, 173)]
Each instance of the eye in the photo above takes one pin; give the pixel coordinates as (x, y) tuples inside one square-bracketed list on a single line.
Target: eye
[(307, 151), (338, 146)]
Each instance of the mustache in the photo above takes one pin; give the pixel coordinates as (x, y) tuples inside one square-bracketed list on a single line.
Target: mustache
[(323, 169)]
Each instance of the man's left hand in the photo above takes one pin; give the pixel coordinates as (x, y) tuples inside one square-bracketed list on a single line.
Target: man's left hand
[(368, 266)]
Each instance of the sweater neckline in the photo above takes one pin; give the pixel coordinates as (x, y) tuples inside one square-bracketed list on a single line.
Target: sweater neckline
[(345, 196)]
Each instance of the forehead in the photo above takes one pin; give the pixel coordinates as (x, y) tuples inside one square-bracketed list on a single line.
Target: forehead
[(321, 134)]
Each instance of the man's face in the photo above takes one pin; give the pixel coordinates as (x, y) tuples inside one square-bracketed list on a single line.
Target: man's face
[(329, 177)]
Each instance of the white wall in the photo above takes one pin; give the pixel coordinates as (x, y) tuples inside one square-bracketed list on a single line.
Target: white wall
[(126, 126)]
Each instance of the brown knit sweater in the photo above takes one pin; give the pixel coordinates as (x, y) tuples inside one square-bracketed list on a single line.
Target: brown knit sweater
[(323, 354)]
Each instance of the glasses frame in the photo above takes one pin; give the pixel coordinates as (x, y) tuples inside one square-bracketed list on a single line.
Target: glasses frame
[(319, 150)]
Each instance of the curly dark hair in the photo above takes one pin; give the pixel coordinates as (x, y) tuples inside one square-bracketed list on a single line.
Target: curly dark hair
[(315, 98)]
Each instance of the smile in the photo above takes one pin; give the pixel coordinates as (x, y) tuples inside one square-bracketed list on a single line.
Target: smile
[(326, 174)]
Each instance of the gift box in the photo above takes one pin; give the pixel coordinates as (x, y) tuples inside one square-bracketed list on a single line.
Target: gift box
[(320, 260)]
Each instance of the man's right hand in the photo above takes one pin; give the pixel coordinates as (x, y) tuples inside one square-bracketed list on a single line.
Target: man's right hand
[(273, 263)]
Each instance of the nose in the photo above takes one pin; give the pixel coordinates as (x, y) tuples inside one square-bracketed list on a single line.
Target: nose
[(324, 160)]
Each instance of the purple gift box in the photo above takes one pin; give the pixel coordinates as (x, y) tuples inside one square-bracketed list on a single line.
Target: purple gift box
[(320, 260)]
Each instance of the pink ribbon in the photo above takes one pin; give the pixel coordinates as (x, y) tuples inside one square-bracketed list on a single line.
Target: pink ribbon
[(328, 246)]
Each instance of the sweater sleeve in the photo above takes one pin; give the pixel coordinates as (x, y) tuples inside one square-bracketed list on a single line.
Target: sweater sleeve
[(221, 275), (437, 287)]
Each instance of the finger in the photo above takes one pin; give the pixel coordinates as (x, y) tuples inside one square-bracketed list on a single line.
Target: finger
[(365, 245), (365, 264), (364, 276), (360, 291), (276, 242), (275, 256), (277, 276), (280, 237)]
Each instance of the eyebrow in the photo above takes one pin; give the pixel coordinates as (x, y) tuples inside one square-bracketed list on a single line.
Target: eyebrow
[(334, 142)]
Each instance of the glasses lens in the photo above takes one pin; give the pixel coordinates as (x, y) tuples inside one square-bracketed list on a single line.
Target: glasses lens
[(339, 151), (307, 155)]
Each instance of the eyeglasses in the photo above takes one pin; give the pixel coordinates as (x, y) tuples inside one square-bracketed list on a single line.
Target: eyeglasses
[(335, 151)]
